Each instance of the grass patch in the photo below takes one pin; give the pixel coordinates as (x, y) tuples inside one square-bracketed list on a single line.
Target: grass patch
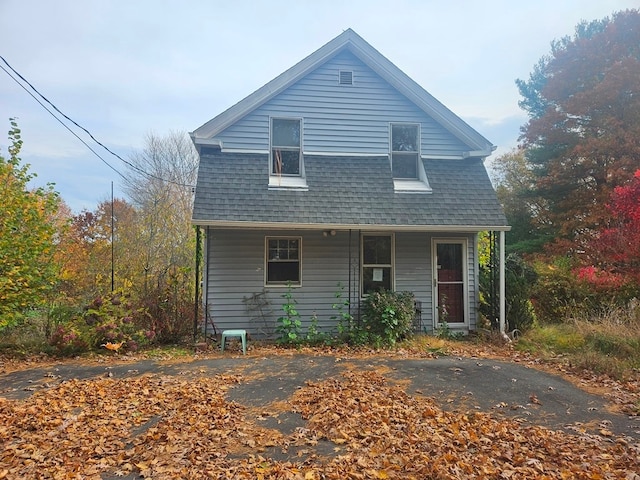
[(427, 343), (168, 351), (552, 340), (606, 342)]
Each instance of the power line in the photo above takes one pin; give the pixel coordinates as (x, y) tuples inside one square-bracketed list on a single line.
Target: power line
[(135, 167), (61, 122)]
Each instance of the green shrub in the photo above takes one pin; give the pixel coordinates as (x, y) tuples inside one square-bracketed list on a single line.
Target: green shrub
[(387, 317), (520, 280), (289, 324), (343, 318), (314, 335), (558, 294)]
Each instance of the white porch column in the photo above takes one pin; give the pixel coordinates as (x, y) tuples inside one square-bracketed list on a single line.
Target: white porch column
[(502, 286)]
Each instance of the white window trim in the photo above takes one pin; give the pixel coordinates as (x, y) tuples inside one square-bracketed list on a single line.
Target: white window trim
[(465, 281), (266, 260), (412, 186), (363, 265), (287, 182), (409, 185)]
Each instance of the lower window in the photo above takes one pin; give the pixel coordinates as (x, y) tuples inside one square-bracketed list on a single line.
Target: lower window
[(283, 260), (377, 263)]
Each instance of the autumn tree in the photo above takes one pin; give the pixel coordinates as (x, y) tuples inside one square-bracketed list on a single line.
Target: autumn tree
[(160, 186), (613, 256), (515, 181), (95, 243), (583, 134), (27, 236)]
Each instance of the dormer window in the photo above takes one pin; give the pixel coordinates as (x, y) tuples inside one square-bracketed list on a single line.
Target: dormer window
[(405, 150), (407, 168), (285, 147)]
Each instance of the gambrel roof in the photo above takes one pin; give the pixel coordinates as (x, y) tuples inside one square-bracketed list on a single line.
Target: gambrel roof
[(351, 41)]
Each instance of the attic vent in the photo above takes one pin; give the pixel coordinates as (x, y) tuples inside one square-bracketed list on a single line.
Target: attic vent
[(345, 77)]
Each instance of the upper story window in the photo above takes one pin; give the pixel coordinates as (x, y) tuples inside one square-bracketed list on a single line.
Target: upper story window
[(285, 147), (405, 150)]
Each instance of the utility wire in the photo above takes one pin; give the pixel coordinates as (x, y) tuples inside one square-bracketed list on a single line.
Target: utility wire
[(62, 123), (133, 166)]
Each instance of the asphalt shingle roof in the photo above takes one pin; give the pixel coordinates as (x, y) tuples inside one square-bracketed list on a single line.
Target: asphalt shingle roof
[(346, 191)]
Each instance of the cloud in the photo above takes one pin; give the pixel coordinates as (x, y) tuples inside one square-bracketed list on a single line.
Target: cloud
[(123, 69)]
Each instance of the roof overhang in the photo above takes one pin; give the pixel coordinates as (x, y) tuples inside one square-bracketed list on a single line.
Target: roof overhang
[(345, 227)]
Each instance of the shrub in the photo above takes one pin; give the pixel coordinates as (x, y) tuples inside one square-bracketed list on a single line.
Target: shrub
[(114, 318), (387, 317), (520, 281), (169, 307), (564, 291), (67, 339), (557, 294)]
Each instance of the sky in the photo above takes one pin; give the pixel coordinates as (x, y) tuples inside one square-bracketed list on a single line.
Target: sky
[(125, 69)]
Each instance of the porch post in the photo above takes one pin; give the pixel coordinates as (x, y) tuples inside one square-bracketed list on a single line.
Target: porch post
[(196, 304), (502, 286)]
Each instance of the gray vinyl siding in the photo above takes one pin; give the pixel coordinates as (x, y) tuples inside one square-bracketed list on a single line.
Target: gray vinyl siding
[(413, 271), (351, 119), (236, 271), (472, 283)]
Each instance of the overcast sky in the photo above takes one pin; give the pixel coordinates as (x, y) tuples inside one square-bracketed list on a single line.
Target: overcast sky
[(123, 69)]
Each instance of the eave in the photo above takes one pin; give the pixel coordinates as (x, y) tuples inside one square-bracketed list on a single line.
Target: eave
[(343, 227)]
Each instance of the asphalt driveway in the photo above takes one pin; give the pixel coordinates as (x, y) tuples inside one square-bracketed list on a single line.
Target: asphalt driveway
[(457, 384)]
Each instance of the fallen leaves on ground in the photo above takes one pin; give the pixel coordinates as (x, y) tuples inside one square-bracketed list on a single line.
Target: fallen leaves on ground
[(177, 427), (405, 437)]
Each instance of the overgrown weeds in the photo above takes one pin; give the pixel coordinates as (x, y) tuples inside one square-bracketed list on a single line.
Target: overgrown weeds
[(289, 325), (606, 341)]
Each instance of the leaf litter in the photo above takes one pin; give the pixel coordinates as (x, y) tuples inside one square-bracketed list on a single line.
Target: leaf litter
[(170, 427)]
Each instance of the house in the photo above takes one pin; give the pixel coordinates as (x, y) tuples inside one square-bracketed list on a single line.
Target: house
[(339, 177)]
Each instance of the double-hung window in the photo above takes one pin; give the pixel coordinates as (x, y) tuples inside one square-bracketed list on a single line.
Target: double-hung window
[(405, 150), (283, 264), (377, 263), (285, 147)]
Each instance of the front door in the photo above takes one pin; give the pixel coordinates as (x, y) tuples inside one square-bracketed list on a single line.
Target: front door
[(450, 282)]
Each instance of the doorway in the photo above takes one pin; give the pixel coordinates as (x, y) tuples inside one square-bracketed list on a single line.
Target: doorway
[(450, 281)]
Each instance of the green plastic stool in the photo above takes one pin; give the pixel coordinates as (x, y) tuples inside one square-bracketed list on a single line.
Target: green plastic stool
[(235, 333)]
